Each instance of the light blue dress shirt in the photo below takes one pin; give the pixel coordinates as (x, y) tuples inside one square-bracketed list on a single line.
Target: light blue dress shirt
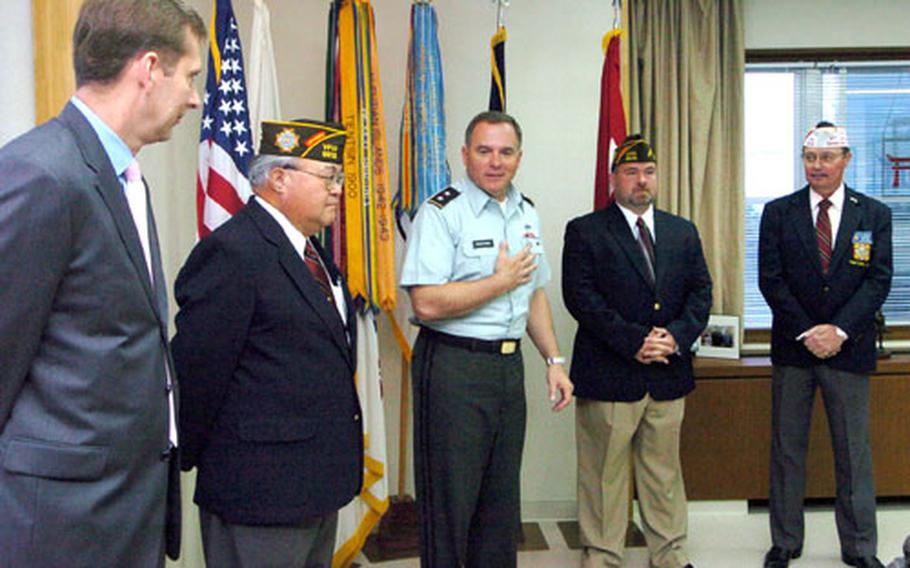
[(114, 146), (459, 242)]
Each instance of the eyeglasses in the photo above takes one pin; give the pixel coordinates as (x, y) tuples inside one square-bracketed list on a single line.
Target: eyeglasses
[(336, 179), (825, 157)]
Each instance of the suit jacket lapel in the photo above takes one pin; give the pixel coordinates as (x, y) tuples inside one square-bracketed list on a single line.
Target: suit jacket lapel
[(849, 221), (662, 238), (160, 285), (295, 267), (351, 311), (617, 225), (805, 229), (108, 186)]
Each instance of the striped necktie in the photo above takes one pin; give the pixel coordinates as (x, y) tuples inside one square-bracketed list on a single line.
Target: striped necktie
[(311, 257), (647, 247), (823, 234)]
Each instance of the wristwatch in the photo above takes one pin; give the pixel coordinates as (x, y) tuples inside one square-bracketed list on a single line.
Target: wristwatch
[(560, 360)]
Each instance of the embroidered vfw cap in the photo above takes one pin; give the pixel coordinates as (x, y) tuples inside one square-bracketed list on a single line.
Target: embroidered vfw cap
[(633, 149), (826, 135), (302, 138)]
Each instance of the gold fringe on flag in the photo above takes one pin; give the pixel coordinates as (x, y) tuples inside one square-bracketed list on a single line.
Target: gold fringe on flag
[(368, 216)]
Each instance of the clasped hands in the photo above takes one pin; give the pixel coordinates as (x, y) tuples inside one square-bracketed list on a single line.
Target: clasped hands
[(657, 347), (822, 340)]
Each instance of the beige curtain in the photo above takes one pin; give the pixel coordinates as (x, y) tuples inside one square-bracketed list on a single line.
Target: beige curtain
[(686, 68)]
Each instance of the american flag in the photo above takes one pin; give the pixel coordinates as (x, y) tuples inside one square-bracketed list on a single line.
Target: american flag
[(225, 141)]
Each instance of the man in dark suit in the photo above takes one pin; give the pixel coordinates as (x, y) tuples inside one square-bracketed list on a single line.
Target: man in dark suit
[(87, 420), (635, 279), (824, 269), (265, 352)]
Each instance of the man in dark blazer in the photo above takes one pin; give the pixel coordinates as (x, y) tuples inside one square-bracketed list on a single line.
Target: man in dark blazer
[(824, 269), (635, 279), (87, 419), (265, 351)]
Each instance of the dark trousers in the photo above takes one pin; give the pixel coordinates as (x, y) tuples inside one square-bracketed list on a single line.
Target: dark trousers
[(309, 545), (846, 398), (469, 427)]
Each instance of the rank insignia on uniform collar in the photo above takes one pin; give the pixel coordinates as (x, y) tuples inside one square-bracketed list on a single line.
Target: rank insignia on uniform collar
[(444, 197)]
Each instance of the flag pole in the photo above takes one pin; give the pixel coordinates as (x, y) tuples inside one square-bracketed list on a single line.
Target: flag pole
[(500, 12)]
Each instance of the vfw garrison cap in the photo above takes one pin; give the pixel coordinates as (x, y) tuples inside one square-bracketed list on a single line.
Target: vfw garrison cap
[(303, 138), (633, 149)]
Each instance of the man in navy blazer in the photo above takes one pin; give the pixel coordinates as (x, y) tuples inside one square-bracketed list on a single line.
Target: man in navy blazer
[(87, 427), (265, 351), (824, 269), (635, 278)]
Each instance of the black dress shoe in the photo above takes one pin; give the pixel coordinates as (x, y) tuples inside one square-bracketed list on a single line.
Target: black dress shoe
[(779, 557), (861, 561)]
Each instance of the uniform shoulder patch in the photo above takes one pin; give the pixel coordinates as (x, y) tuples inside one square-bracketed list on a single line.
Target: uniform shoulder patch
[(528, 199), (444, 197)]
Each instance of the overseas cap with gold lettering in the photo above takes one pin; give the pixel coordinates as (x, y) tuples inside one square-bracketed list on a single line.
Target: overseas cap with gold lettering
[(303, 138), (826, 135), (633, 149)]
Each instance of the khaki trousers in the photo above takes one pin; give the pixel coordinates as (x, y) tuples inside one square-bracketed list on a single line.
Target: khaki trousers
[(608, 435)]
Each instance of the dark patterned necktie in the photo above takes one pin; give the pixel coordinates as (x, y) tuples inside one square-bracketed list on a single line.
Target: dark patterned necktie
[(311, 257), (823, 234), (647, 247)]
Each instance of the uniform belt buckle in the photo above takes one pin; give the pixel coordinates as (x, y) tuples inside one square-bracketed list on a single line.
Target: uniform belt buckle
[(507, 347)]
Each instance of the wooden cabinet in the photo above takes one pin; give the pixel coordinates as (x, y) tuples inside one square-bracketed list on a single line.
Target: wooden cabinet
[(727, 431)]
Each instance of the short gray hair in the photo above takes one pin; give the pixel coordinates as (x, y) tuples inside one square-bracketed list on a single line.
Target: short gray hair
[(263, 164)]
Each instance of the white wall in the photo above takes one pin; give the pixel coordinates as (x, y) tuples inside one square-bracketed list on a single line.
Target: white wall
[(826, 23), (553, 69), (17, 89)]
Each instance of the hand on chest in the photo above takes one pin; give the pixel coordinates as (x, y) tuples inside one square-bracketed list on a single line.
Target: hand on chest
[(481, 247)]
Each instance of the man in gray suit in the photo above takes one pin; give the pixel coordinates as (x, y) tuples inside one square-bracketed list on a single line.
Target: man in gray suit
[(87, 407)]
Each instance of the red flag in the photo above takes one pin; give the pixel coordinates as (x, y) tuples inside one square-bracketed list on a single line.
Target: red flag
[(612, 130)]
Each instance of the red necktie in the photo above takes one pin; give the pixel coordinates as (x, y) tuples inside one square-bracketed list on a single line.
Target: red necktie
[(647, 246), (823, 234), (311, 257)]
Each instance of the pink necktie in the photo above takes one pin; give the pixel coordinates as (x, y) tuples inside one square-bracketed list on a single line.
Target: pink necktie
[(135, 197)]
